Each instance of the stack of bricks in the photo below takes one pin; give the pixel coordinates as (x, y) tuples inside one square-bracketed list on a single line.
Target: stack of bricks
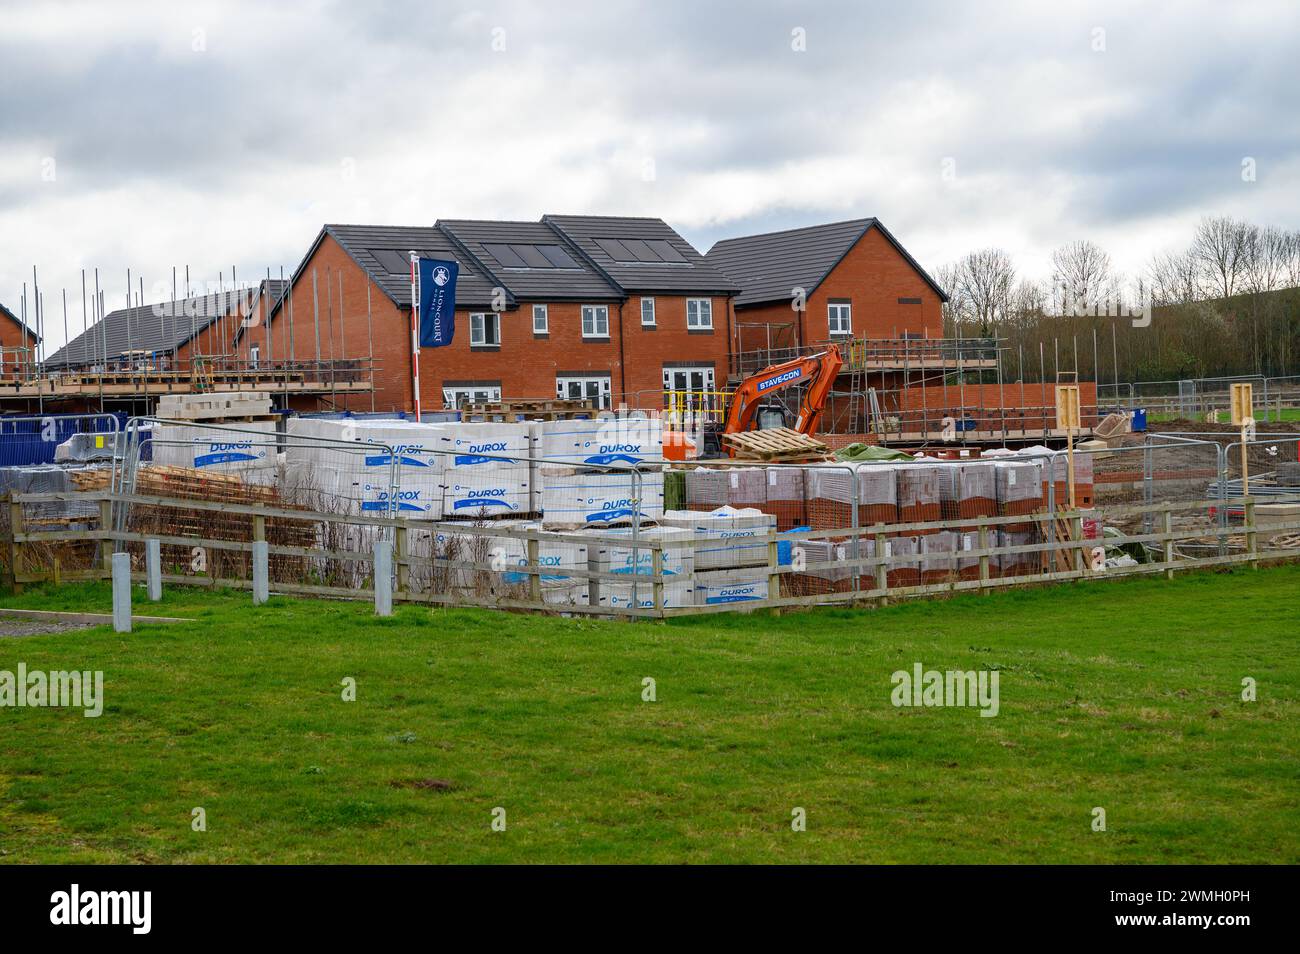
[(918, 494), (1019, 489), (786, 497)]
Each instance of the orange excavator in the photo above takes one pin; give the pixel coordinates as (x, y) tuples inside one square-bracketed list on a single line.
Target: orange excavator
[(747, 408)]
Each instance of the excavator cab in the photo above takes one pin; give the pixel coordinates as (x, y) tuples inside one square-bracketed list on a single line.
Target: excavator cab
[(770, 416)]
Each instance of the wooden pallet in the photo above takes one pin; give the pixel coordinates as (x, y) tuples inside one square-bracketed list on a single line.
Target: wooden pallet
[(530, 406), (775, 444)]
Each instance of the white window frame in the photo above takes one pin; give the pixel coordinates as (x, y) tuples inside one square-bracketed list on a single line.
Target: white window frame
[(652, 323), (451, 396), (544, 328), (598, 314), (478, 329), (836, 312), (703, 307), (562, 382), (254, 354)]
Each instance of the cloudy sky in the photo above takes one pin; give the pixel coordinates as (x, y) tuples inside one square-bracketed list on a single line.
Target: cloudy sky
[(154, 135)]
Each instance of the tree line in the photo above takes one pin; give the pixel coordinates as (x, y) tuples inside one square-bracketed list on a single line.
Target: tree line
[(1227, 304)]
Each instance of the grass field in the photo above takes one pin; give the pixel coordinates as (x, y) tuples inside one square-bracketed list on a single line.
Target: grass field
[(1123, 695), (1225, 417)]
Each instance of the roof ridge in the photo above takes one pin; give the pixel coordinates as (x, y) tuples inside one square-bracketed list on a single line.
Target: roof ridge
[(800, 228)]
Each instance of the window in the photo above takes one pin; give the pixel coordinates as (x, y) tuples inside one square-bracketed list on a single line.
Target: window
[(254, 352), (647, 312), (458, 396), (595, 321), (485, 329), (839, 318), (692, 391), (593, 388), (699, 313), (540, 321), (689, 379)]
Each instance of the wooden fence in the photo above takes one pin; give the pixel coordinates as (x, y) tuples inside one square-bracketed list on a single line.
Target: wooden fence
[(1064, 553)]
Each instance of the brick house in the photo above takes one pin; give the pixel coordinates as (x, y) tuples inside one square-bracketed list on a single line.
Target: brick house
[(167, 335), (608, 308), (17, 343), (856, 280)]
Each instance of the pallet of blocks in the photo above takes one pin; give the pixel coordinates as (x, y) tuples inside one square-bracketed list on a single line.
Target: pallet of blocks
[(726, 538), (215, 406), (622, 558), (585, 471)]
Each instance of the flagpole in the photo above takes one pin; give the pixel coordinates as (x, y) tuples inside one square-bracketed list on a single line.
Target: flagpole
[(415, 331)]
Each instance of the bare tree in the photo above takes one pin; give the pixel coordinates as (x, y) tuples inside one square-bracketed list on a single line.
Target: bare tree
[(986, 278), (1220, 248), (1082, 278), (1173, 278)]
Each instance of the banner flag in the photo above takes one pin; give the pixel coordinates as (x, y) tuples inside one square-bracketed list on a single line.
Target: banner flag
[(437, 302)]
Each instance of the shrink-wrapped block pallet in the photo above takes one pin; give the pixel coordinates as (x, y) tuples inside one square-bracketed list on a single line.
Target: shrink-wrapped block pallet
[(832, 494), (485, 469), (905, 566), (726, 538), (739, 487), (1019, 564), (599, 442), (1019, 489), (786, 497), (816, 581), (558, 557), (938, 556), (250, 456), (573, 497), (619, 556), (713, 587), (918, 494), (968, 490)]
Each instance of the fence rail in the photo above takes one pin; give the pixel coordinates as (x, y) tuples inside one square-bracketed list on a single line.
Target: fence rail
[(863, 556)]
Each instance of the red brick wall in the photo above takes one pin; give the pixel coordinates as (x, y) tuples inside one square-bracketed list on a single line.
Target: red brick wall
[(13, 336), (525, 364), (872, 276), (984, 401)]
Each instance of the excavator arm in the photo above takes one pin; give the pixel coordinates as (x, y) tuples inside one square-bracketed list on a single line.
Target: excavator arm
[(818, 371)]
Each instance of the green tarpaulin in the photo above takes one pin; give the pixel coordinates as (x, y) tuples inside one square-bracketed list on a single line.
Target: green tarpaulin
[(870, 452)]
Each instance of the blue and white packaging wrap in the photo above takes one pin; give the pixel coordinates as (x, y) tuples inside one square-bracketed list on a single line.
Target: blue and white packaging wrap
[(572, 498), (250, 456), (618, 556), (735, 538), (730, 586), (485, 469), (600, 442)]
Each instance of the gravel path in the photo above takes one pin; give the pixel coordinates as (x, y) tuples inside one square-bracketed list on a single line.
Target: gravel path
[(13, 626)]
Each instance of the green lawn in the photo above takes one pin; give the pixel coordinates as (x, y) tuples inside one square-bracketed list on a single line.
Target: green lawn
[(1225, 417), (1122, 695)]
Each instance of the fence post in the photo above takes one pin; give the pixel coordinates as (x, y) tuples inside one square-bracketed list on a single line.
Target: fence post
[(774, 569), (1076, 535), (121, 592), (1252, 534), (153, 569), (882, 568), (383, 562), (657, 579), (984, 558), (403, 561), (1167, 528), (261, 572), (533, 549), (15, 548)]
